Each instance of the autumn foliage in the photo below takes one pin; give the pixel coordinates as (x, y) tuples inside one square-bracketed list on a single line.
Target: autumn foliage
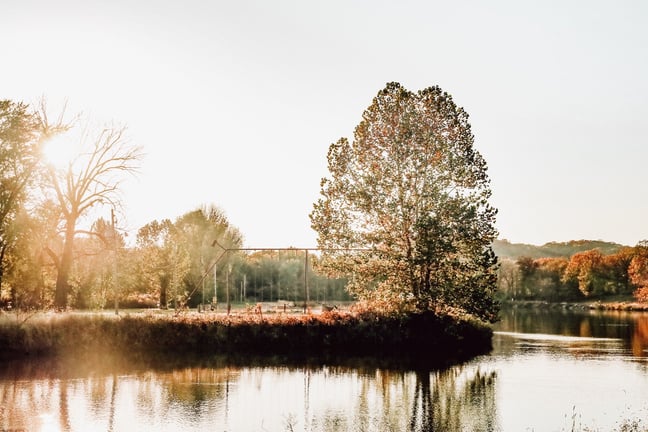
[(638, 272), (405, 212), (588, 274)]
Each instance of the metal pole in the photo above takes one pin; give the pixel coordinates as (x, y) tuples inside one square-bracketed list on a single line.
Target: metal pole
[(203, 286), (305, 280), (215, 289), (227, 293), (114, 245), (282, 249)]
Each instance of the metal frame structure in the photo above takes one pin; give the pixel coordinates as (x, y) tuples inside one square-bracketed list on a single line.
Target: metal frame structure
[(226, 250)]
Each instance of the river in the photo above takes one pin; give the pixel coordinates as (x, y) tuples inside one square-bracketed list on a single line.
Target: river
[(550, 370)]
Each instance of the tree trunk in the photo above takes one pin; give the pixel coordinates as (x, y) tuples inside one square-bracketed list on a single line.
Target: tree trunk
[(62, 287), (164, 286), (3, 248)]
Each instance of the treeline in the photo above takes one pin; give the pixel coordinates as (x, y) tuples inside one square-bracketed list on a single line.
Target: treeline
[(172, 264), (505, 249), (589, 274), (50, 256)]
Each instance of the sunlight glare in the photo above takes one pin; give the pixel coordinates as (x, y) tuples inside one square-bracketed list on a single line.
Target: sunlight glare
[(61, 150), (48, 423)]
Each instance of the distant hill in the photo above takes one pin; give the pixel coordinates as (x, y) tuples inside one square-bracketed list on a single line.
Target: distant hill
[(505, 249)]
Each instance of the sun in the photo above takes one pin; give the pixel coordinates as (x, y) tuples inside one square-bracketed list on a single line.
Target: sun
[(61, 150)]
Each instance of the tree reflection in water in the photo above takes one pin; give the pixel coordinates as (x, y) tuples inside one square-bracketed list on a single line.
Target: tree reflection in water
[(454, 400), (640, 337), (271, 397), (631, 328), (566, 358)]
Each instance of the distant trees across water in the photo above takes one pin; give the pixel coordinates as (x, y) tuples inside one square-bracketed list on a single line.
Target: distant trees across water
[(588, 274)]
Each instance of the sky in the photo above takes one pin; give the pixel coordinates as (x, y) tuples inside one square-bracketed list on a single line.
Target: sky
[(235, 103)]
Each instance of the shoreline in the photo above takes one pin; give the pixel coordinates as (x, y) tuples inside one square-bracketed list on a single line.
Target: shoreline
[(422, 339), (627, 306)]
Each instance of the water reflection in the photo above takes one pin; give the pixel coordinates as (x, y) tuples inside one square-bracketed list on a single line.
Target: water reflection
[(545, 366), (586, 369), (627, 330), (263, 398), (640, 337), (454, 400)]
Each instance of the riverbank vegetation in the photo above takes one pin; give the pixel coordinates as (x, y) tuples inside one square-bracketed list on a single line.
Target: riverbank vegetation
[(434, 337)]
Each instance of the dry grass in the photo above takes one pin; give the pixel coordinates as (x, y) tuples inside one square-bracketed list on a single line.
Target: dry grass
[(430, 335)]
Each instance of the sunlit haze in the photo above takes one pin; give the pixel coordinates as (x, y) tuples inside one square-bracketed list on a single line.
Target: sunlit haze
[(63, 149), (236, 103)]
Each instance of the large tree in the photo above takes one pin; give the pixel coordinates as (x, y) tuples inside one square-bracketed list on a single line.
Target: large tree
[(19, 137), (22, 132), (199, 229), (164, 258), (92, 179), (176, 256), (412, 192)]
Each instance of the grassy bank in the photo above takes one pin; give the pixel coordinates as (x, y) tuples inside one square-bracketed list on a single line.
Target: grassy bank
[(429, 336)]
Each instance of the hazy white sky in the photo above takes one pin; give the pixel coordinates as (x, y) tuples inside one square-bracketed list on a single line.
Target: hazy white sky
[(236, 102)]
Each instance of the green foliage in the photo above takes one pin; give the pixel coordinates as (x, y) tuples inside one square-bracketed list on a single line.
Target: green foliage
[(413, 192), (197, 231), (163, 259), (19, 138), (279, 275), (174, 256)]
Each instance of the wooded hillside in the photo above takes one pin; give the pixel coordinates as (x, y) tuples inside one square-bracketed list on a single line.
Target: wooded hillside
[(505, 249)]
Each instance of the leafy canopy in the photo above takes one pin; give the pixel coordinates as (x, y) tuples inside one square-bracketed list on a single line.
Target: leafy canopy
[(413, 192)]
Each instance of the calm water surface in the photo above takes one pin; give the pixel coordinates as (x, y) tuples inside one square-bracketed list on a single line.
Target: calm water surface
[(549, 371)]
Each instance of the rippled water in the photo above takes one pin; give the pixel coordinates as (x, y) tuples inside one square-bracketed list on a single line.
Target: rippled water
[(549, 370)]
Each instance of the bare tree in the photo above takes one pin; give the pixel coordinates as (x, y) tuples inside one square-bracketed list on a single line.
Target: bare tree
[(92, 179)]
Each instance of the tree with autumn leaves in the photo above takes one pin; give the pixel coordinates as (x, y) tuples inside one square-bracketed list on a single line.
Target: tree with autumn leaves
[(587, 274), (638, 271), (405, 212)]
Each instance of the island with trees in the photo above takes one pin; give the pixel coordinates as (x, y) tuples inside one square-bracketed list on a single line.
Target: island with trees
[(405, 234)]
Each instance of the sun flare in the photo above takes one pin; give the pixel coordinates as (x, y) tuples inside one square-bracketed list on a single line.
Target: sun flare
[(61, 150)]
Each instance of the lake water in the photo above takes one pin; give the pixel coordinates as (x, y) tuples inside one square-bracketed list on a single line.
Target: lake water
[(548, 371)]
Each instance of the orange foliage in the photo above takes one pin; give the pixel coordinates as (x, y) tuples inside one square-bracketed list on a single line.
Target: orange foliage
[(583, 267), (555, 266), (639, 270), (641, 294), (638, 273)]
